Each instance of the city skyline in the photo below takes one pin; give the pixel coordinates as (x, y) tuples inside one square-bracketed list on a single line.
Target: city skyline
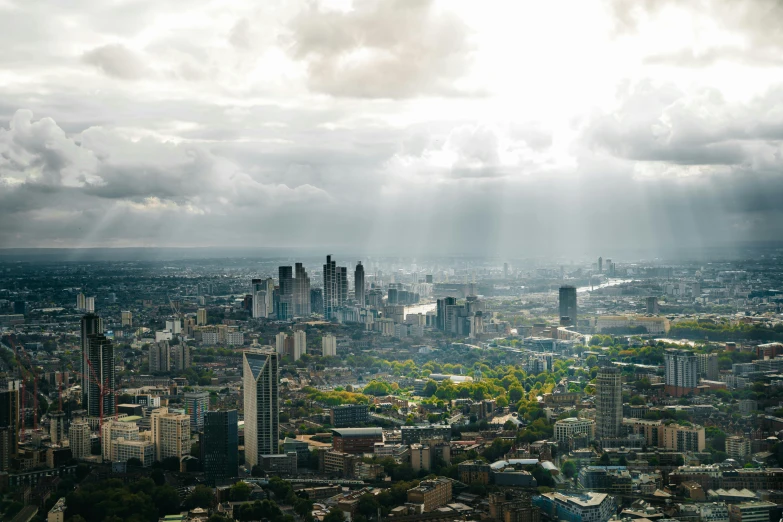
[(659, 130)]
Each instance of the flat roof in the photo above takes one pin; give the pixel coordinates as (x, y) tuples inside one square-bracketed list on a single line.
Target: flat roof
[(358, 432)]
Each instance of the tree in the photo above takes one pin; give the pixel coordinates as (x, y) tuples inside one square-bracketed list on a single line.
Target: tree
[(568, 469), (240, 491), (368, 505), (201, 496), (166, 499), (134, 462), (604, 460), (334, 515), (430, 388), (158, 477), (257, 471)]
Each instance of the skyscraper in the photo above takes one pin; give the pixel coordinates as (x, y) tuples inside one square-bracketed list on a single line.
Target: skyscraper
[(91, 324), (682, 371), (285, 306), (79, 439), (568, 304), (317, 300), (300, 344), (358, 283), (280, 343), (330, 287), (441, 310), (160, 357), (170, 433), (329, 345), (196, 405), (600, 264), (342, 285), (608, 403), (9, 422), (180, 354), (301, 291), (262, 407), (220, 447), (262, 292), (101, 376), (201, 317)]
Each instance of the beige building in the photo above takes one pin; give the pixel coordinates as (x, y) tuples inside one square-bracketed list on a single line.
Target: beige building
[(683, 438), (738, 447), (431, 494), (201, 317), (574, 427), (608, 403), (124, 450), (329, 345), (170, 434), (79, 438), (654, 325), (115, 430), (651, 429)]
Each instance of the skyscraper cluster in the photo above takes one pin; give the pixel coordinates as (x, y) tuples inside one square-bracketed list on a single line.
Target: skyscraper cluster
[(294, 292), (335, 287)]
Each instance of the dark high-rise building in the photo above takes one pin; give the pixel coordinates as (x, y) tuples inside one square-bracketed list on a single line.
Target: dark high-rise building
[(302, 306), (220, 447), (317, 300), (100, 354), (428, 278), (9, 422), (608, 403), (600, 264), (652, 305), (441, 311), (568, 304), (342, 285), (262, 405), (391, 298), (330, 287), (285, 309), (20, 307), (91, 324), (358, 284)]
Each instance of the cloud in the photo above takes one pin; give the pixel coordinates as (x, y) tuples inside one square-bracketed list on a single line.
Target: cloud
[(381, 49), (663, 124), (117, 61)]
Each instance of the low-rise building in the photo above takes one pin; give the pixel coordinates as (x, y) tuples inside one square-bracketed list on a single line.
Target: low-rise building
[(585, 507), (756, 511), (431, 494)]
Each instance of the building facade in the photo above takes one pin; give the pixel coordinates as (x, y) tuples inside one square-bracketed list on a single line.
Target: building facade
[(608, 402), (220, 447), (262, 404)]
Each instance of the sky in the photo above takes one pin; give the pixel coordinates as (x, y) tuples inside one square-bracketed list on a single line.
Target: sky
[(579, 127)]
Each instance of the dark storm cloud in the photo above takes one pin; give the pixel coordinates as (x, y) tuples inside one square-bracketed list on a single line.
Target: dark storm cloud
[(382, 49)]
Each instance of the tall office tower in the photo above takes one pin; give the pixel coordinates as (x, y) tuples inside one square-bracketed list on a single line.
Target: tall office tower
[(652, 305), (81, 302), (285, 306), (300, 344), (302, 306), (280, 343), (220, 447), (9, 422), (358, 283), (329, 345), (262, 292), (160, 356), (57, 426), (682, 371), (127, 319), (201, 317), (568, 305), (317, 300), (608, 403), (441, 309), (330, 288), (101, 377), (428, 279), (89, 305), (600, 264), (342, 285), (91, 324), (79, 439), (196, 406), (262, 405), (170, 433), (180, 353)]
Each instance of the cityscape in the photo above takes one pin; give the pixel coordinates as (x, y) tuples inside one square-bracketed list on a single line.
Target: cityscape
[(391, 261), (392, 388)]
